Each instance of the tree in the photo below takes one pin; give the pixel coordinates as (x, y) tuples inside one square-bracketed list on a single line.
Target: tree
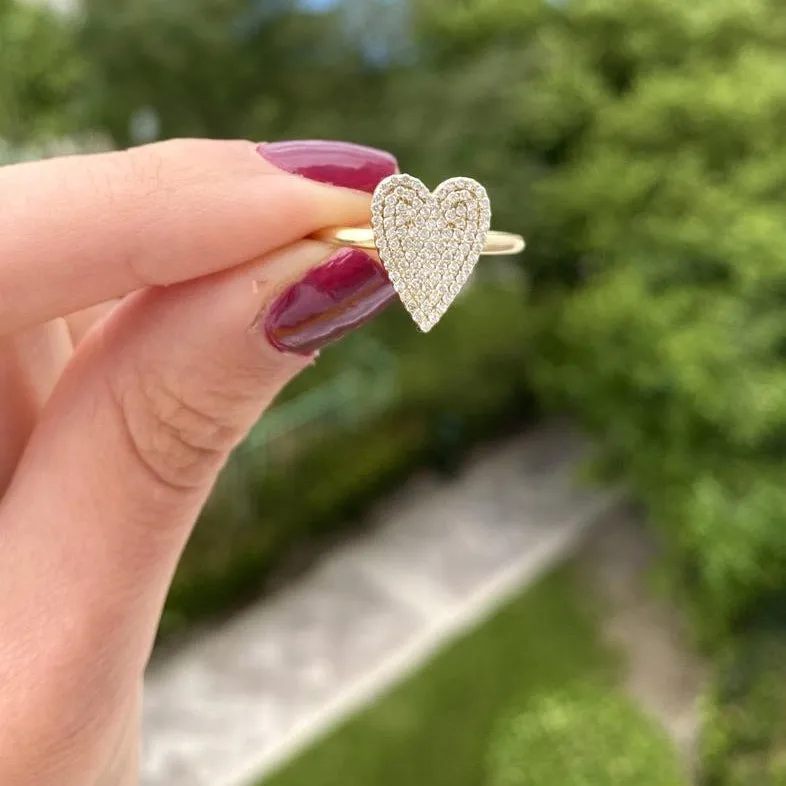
[(220, 68), (661, 124), (41, 74)]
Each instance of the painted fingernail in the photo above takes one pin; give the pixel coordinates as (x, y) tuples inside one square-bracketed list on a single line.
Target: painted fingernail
[(337, 163), (334, 298)]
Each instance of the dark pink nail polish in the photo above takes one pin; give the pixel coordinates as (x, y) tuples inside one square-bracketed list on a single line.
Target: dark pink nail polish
[(334, 298), (337, 163)]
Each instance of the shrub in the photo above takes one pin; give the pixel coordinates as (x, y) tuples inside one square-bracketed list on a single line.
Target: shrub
[(585, 736), (668, 205), (744, 733)]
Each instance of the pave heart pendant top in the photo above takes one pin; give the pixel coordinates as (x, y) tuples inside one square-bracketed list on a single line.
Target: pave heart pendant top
[(429, 242)]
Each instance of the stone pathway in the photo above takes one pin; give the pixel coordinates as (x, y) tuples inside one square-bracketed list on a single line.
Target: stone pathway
[(664, 672), (438, 557)]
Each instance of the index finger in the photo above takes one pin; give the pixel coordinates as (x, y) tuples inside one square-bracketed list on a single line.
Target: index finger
[(80, 230)]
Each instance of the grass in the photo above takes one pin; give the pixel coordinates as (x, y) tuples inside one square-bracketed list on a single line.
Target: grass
[(435, 728)]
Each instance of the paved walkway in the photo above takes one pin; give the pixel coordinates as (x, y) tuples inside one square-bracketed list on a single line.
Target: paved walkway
[(664, 673), (438, 558)]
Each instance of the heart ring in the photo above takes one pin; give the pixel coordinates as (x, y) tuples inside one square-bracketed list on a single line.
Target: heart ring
[(429, 242)]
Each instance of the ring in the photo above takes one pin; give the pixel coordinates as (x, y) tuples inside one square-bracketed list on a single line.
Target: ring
[(496, 243), (429, 242)]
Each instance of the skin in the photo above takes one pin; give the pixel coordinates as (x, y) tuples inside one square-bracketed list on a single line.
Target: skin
[(129, 369)]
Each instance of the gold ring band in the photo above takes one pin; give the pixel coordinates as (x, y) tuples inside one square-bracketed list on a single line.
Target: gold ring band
[(496, 243)]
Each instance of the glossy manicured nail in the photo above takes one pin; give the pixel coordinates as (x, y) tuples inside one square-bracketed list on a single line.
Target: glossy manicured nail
[(339, 295), (337, 163)]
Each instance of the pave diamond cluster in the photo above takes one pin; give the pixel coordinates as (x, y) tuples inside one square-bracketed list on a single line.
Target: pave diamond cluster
[(429, 243)]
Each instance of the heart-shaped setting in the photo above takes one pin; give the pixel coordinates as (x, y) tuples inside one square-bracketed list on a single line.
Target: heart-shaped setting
[(429, 242)]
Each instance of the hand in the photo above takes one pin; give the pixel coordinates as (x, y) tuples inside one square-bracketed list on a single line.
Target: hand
[(152, 303)]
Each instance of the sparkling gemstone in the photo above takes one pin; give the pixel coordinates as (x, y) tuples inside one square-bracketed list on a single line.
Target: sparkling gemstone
[(429, 243)]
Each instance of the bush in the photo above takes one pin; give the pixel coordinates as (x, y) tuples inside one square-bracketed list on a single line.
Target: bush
[(744, 734), (469, 370), (667, 209), (585, 736)]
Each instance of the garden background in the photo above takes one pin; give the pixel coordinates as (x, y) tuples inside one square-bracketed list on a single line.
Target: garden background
[(639, 146)]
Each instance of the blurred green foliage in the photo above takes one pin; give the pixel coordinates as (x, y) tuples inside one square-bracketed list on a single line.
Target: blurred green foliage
[(218, 68), (41, 74), (662, 216), (744, 736), (667, 204), (583, 735)]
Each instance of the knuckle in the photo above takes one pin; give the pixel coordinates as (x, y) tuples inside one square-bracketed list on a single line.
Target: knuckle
[(182, 445), (137, 180), (159, 172), (164, 167), (144, 169)]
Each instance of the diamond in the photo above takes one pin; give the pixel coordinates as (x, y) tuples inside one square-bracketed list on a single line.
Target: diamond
[(430, 254)]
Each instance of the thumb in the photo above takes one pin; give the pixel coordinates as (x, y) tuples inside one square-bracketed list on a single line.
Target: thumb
[(124, 456)]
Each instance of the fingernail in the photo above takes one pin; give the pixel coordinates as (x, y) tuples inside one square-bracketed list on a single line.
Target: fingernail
[(333, 299), (336, 163)]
